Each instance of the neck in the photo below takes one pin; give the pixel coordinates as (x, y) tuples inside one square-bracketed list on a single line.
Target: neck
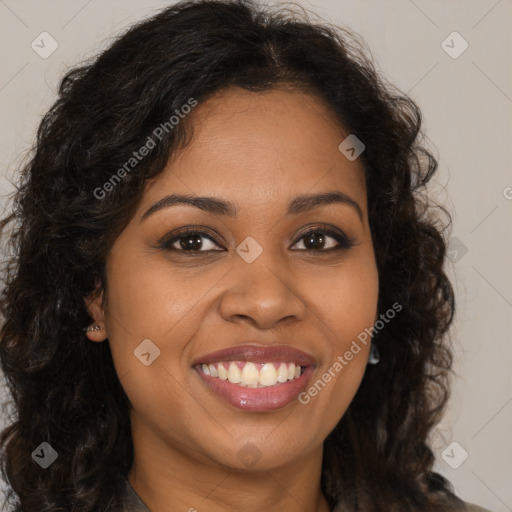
[(166, 479)]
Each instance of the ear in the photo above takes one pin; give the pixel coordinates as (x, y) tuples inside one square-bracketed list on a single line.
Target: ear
[(94, 305)]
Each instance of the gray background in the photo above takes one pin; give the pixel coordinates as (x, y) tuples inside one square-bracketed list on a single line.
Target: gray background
[(466, 103)]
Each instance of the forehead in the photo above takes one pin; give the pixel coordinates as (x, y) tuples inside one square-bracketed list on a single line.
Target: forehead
[(260, 147)]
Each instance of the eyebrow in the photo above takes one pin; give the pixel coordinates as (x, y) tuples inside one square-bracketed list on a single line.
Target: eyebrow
[(220, 206)]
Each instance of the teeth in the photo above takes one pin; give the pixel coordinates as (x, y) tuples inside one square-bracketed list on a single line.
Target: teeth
[(249, 375), (268, 374), (223, 373), (246, 374), (213, 370), (282, 373), (234, 374)]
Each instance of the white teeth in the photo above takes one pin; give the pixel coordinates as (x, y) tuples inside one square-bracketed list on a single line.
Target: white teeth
[(291, 371), (213, 370), (268, 374), (234, 373), (282, 373), (223, 373), (249, 376)]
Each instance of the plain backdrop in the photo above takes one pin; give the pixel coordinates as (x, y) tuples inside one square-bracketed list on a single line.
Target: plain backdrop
[(466, 99)]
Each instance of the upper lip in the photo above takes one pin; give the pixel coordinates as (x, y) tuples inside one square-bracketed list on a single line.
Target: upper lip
[(258, 354)]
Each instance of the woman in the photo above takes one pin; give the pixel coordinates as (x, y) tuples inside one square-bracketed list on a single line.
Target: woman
[(226, 290)]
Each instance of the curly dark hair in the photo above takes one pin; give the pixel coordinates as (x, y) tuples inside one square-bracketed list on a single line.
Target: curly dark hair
[(65, 389)]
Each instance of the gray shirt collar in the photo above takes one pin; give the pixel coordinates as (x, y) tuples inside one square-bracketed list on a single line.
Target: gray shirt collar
[(132, 501)]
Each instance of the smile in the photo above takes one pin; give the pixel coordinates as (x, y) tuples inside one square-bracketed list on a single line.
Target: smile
[(256, 397), (253, 375)]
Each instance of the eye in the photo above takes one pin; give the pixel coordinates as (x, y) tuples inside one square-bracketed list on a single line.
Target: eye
[(315, 240), (189, 240)]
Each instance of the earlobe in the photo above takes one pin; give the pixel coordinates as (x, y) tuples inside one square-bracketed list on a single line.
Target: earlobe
[(96, 333)]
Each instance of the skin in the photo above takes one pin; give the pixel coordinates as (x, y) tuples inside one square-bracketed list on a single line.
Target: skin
[(259, 150)]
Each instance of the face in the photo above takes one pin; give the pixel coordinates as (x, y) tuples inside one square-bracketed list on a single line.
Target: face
[(250, 278)]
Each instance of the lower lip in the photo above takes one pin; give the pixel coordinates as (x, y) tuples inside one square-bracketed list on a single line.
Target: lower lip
[(258, 399)]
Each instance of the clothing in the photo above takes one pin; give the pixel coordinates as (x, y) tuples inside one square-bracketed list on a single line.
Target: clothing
[(133, 503)]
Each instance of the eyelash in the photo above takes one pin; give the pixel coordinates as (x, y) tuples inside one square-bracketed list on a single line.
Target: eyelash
[(343, 241)]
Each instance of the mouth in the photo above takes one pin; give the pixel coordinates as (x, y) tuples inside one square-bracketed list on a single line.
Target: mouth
[(255, 377)]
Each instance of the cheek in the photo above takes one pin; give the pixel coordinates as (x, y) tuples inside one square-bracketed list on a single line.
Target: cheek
[(356, 304), (147, 297), (346, 299), (146, 306), (347, 302)]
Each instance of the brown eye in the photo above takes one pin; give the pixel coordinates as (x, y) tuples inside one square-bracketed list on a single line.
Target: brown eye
[(189, 240), (317, 239)]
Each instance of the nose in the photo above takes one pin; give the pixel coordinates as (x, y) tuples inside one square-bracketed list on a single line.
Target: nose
[(262, 292)]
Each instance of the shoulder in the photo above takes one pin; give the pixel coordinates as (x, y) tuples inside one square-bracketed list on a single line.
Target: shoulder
[(470, 507), (462, 506)]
